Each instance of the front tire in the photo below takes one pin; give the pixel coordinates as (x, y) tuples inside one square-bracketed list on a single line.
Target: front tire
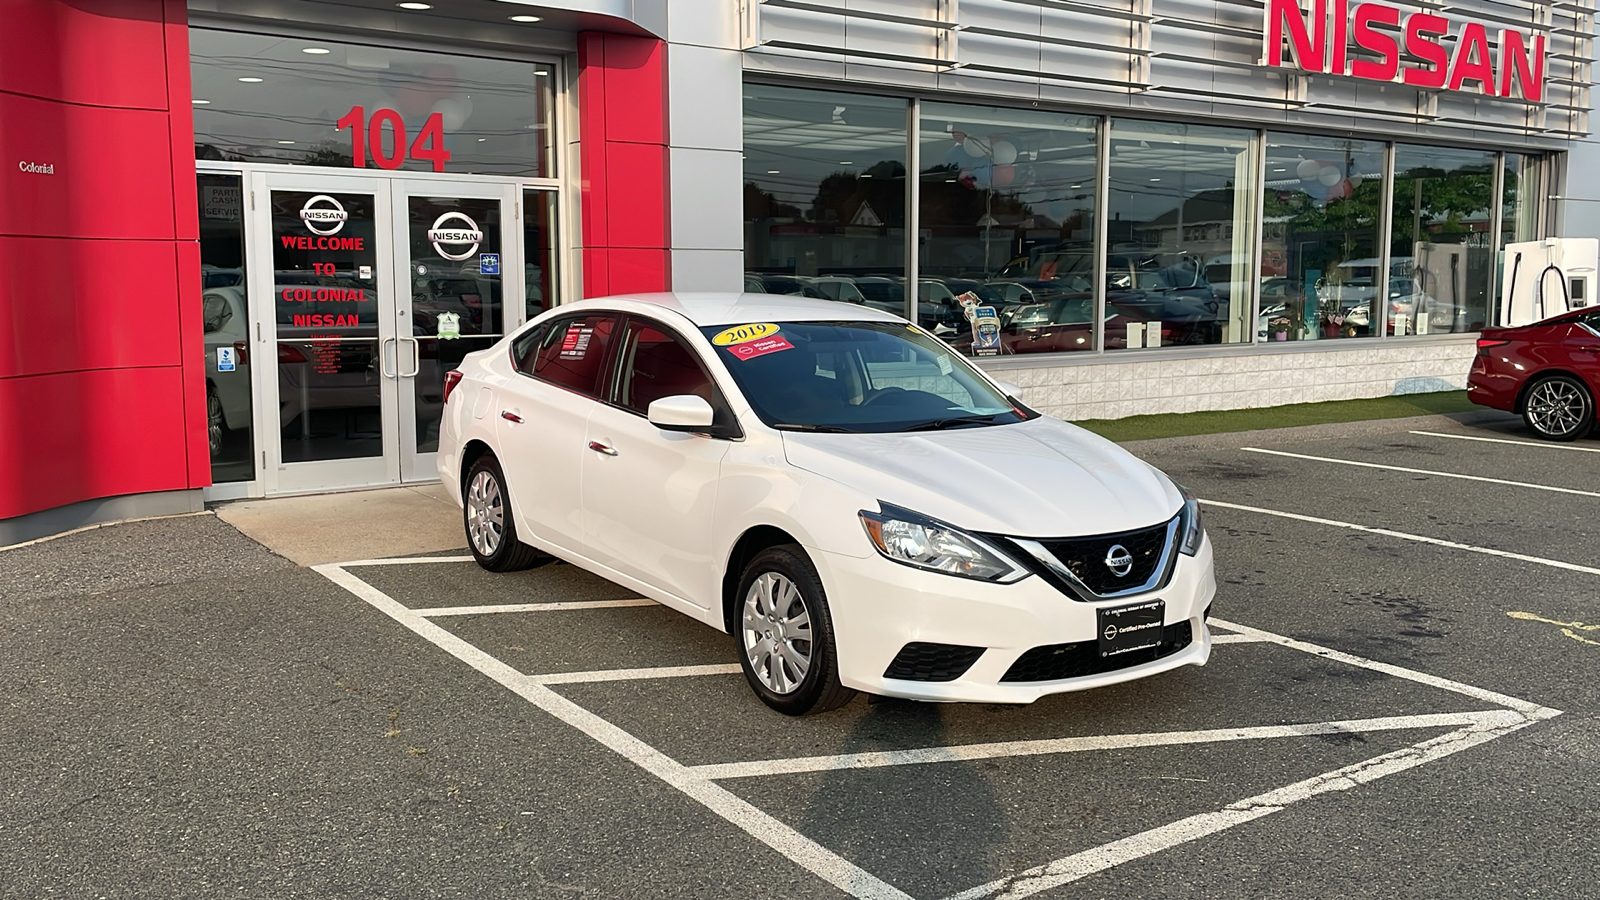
[(785, 634), (1559, 408), (486, 515), (216, 422)]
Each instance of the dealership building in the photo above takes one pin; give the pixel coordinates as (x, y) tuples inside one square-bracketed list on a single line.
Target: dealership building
[(242, 241)]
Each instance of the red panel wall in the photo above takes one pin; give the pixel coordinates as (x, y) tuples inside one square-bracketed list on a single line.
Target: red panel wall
[(623, 148), (101, 372)]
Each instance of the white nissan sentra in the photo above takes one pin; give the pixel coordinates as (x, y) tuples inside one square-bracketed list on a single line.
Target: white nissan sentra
[(857, 504)]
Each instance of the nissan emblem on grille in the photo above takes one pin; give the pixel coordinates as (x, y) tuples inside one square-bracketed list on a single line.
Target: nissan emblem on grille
[(1119, 560)]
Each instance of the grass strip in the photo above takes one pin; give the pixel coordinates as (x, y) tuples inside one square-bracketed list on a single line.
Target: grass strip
[(1138, 428)]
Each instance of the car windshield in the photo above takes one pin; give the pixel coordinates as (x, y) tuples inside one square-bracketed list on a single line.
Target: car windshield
[(857, 377)]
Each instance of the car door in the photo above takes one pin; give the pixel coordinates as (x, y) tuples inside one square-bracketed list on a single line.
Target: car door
[(543, 417), (1583, 348), (648, 494)]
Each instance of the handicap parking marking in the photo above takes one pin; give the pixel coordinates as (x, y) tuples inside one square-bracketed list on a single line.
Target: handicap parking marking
[(699, 783), (1429, 472), (1543, 445), (1405, 536)]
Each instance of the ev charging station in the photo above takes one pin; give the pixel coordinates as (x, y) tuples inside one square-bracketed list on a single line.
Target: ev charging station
[(1545, 278)]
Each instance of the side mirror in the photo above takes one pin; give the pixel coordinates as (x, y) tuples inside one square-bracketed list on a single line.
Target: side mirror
[(684, 412), (1011, 390)]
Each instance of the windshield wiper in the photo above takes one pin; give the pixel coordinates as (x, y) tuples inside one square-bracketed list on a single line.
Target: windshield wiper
[(941, 424), (826, 429)]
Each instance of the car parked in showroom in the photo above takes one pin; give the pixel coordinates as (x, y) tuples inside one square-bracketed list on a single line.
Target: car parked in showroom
[(1547, 372), (857, 504)]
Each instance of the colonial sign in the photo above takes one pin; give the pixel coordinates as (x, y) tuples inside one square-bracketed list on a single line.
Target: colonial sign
[(1378, 42)]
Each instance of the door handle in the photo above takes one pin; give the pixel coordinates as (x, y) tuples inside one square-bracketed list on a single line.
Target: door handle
[(511, 417), (416, 356), (383, 358), (598, 447)]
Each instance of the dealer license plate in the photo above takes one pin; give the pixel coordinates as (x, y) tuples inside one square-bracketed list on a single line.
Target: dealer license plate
[(1124, 629)]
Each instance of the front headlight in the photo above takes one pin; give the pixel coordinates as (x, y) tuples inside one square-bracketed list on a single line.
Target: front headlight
[(918, 541), (1190, 529)]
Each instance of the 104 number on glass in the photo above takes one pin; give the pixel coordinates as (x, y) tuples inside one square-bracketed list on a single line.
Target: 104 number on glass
[(368, 136)]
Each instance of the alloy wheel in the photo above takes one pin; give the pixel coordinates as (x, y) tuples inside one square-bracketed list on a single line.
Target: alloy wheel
[(1557, 408), (214, 422), (777, 632), (486, 513)]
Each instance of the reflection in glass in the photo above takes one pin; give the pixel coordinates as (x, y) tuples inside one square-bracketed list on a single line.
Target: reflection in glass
[(539, 247), (1519, 210), (1322, 204), (825, 195), (325, 302), (1181, 208), (490, 116), (457, 297), (1443, 239), (226, 328), (1007, 223)]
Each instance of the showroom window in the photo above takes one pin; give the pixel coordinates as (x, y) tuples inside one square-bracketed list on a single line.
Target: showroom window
[(1444, 238), (226, 327), (1180, 237), (1006, 203), (1322, 210), (825, 195), (304, 101)]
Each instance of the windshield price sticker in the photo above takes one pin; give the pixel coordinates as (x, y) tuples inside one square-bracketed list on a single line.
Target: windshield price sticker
[(743, 334), (755, 347), (575, 343)]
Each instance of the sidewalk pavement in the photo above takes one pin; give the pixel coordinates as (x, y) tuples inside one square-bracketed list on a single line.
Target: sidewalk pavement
[(323, 528)]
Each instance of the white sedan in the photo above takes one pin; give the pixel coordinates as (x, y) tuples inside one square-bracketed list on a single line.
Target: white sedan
[(854, 502)]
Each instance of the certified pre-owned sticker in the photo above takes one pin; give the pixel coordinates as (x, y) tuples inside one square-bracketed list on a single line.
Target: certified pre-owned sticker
[(742, 334), (760, 347), (455, 230)]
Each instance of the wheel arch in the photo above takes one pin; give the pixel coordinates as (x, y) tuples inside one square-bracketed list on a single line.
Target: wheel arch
[(471, 453), (753, 541)]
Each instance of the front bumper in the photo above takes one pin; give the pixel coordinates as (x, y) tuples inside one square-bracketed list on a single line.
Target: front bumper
[(878, 607)]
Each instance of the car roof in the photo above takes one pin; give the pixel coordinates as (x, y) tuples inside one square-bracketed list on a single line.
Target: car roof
[(705, 309)]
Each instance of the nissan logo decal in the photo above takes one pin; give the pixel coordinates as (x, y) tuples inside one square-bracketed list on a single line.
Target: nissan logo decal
[(323, 215), (465, 234), (1119, 560)]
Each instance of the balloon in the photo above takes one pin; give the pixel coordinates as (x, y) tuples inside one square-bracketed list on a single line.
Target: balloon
[(1355, 181), (1339, 191), (957, 157), (1330, 176), (966, 179), (1005, 152), (454, 111), (1004, 175), (976, 147), (1308, 168), (982, 175)]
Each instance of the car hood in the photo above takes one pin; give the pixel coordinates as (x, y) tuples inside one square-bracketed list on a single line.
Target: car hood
[(1040, 478)]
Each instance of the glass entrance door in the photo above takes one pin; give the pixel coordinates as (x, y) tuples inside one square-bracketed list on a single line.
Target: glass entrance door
[(376, 287)]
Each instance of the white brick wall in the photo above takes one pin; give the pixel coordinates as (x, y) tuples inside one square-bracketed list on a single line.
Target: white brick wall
[(1167, 381)]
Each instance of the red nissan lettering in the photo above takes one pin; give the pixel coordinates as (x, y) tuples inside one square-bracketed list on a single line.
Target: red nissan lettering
[(1418, 43), (1374, 41), (1474, 42)]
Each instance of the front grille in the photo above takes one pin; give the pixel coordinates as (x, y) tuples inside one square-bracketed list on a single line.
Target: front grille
[(920, 661), (1085, 557), (1057, 661)]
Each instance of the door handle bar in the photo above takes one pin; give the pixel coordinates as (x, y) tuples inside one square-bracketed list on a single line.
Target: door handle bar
[(598, 447), (511, 417), (383, 358), (416, 356)]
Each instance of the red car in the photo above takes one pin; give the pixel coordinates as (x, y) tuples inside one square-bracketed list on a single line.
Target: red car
[(1549, 372)]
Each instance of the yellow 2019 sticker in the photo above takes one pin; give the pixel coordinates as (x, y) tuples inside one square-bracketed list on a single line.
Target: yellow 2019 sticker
[(741, 334)]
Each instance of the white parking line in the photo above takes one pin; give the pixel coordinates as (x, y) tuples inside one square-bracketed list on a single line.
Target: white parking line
[(1235, 639), (402, 561), (1430, 472), (437, 611), (970, 752), (698, 784), (1422, 539), (803, 851), (1080, 865), (1544, 445), (635, 674)]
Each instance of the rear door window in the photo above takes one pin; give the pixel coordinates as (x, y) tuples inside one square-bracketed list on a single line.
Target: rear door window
[(572, 352)]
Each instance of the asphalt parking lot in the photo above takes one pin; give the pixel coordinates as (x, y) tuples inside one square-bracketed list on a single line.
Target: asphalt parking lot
[(1401, 703)]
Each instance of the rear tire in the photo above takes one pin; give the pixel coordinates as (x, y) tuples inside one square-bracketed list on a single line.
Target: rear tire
[(1559, 408), (486, 516), (216, 422), (785, 634)]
